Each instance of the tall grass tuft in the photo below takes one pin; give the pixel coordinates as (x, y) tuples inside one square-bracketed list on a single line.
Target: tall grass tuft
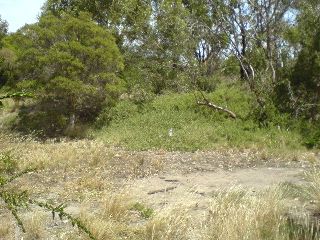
[(240, 214)]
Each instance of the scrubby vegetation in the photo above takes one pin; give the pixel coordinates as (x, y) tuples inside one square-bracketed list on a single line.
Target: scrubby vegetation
[(99, 95), (147, 126), (165, 66)]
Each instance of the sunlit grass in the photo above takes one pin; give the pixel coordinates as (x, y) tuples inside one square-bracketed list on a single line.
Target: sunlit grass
[(175, 122)]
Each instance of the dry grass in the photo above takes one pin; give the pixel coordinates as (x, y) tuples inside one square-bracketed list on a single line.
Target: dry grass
[(6, 230), (116, 207), (91, 177), (110, 220), (170, 224), (239, 214), (312, 191), (55, 154), (101, 229), (35, 228)]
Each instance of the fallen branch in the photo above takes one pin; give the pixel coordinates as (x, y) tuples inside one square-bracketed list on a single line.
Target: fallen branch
[(211, 105)]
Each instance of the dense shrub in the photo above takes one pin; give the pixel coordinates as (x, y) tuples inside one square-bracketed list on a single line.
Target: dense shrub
[(72, 65), (195, 127)]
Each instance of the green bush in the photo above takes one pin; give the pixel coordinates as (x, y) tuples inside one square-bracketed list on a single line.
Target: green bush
[(311, 134), (41, 121), (271, 116), (72, 65), (175, 122), (123, 110), (8, 164)]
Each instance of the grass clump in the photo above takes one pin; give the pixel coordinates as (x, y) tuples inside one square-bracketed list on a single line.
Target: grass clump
[(169, 224), (240, 214), (237, 214), (34, 227), (116, 207)]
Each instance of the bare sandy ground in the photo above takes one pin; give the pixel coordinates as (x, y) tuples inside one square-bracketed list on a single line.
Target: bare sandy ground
[(167, 190)]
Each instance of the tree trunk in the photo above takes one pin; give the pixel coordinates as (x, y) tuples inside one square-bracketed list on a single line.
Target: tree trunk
[(72, 122)]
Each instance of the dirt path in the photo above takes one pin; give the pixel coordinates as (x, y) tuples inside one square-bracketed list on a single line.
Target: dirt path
[(166, 190)]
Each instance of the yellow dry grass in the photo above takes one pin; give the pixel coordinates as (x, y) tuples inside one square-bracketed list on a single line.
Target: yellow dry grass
[(91, 177), (35, 227), (5, 229)]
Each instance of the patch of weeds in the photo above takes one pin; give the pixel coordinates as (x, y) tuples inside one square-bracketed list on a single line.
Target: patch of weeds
[(301, 229), (8, 164), (144, 211)]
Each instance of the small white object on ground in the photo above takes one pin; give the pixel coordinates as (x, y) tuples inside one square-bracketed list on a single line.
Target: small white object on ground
[(170, 132)]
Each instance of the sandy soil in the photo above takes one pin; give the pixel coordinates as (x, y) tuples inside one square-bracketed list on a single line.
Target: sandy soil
[(194, 177), (170, 189)]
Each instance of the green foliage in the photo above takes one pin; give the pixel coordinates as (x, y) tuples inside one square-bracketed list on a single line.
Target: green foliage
[(15, 95), (271, 116), (71, 64), (3, 29), (131, 14), (305, 77), (181, 45), (231, 66), (7, 163), (207, 84), (7, 66), (13, 200), (194, 127), (62, 214), (144, 211), (123, 110), (163, 64), (311, 134)]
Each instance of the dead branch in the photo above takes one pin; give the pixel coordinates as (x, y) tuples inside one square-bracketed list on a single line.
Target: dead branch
[(209, 104)]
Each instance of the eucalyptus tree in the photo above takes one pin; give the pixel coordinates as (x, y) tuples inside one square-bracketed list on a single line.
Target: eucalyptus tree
[(3, 29), (170, 46), (6, 56), (305, 77), (254, 33), (127, 19)]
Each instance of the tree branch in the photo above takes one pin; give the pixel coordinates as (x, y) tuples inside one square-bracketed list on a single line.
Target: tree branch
[(209, 104)]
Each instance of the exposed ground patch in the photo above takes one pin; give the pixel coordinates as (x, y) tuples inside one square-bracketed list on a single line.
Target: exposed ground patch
[(117, 192)]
